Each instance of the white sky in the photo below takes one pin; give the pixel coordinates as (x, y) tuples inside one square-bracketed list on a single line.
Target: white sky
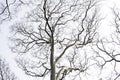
[(9, 56)]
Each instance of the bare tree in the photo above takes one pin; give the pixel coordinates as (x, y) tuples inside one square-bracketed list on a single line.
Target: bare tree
[(5, 73), (52, 37)]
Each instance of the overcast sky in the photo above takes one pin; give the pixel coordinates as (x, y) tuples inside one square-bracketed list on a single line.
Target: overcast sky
[(6, 53)]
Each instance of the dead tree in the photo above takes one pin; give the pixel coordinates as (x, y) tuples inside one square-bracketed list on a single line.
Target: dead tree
[(51, 37)]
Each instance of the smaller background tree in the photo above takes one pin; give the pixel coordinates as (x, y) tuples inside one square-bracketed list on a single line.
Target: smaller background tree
[(5, 72)]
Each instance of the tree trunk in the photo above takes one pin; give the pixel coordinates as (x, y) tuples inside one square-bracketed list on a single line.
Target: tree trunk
[(52, 64)]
